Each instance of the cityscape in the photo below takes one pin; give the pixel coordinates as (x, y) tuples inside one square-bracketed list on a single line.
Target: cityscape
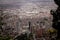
[(31, 20)]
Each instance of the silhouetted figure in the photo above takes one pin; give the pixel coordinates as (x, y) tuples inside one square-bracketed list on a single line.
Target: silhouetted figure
[(56, 19)]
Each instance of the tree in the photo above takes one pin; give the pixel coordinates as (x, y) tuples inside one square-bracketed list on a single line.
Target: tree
[(56, 19), (57, 2)]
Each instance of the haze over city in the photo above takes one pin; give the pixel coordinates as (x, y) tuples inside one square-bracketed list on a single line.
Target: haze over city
[(27, 16)]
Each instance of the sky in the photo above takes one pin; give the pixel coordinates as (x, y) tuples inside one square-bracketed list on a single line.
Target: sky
[(17, 1), (23, 2)]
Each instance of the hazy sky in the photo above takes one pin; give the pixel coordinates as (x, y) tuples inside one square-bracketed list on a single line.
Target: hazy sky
[(17, 1), (23, 2)]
